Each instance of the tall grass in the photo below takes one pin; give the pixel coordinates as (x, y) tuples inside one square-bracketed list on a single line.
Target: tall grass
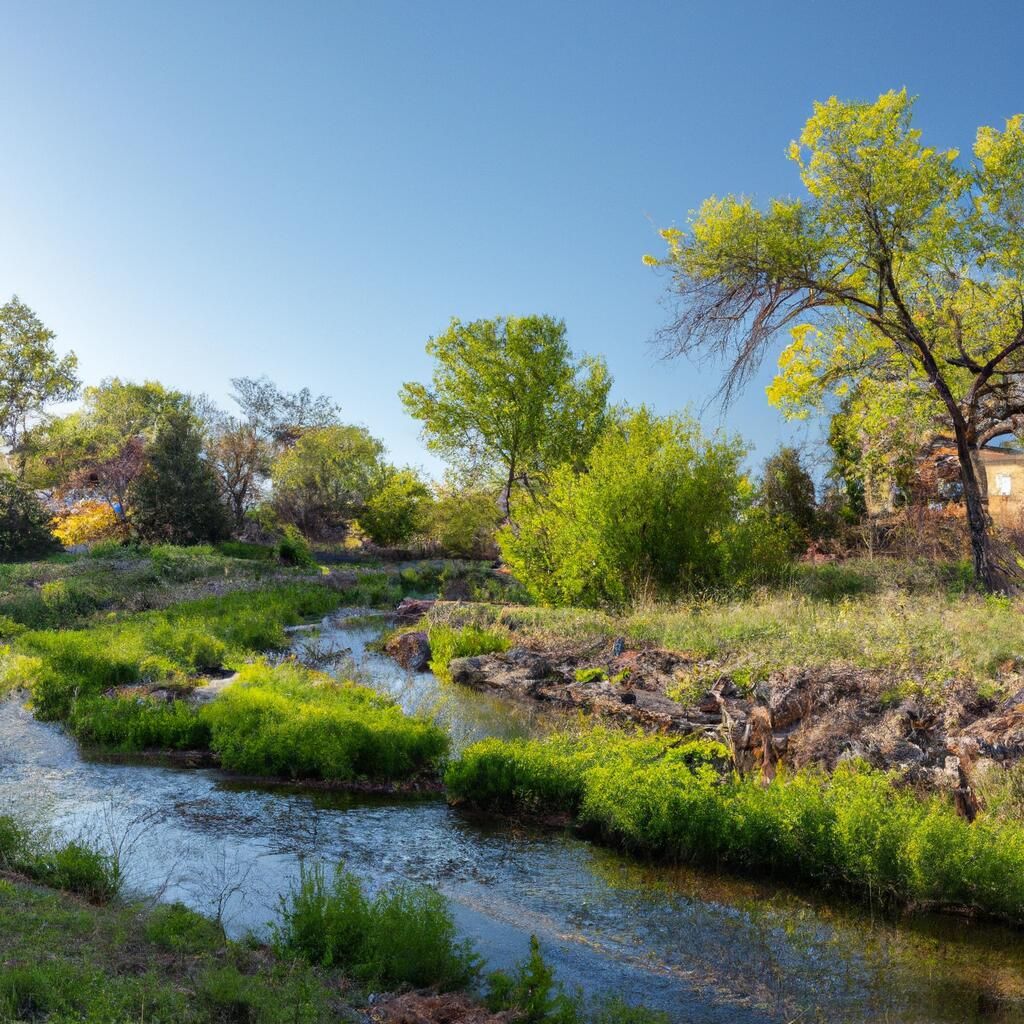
[(403, 936), (293, 722), (853, 830), (191, 637), (447, 643), (931, 636)]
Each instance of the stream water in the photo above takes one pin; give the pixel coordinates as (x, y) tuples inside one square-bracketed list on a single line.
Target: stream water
[(703, 947)]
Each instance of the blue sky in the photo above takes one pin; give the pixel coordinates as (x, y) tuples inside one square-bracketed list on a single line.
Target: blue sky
[(191, 192)]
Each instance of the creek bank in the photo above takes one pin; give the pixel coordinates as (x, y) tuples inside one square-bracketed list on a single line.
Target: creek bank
[(946, 739)]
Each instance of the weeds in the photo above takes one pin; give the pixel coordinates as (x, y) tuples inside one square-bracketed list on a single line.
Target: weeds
[(853, 830), (404, 936), (446, 644)]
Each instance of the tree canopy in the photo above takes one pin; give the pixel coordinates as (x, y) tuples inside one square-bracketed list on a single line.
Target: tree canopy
[(899, 277), (31, 372), (509, 397)]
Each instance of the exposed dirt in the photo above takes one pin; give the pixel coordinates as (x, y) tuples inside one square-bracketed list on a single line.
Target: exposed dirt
[(797, 717), (427, 1008)]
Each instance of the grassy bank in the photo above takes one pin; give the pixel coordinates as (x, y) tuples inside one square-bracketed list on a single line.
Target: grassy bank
[(911, 622), (168, 646), (99, 961), (852, 830), (284, 721)]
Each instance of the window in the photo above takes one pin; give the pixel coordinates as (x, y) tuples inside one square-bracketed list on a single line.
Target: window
[(1003, 484)]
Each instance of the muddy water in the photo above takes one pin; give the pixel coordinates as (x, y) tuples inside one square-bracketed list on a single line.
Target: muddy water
[(704, 948)]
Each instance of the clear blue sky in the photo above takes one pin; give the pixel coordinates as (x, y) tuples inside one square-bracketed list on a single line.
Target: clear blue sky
[(195, 191)]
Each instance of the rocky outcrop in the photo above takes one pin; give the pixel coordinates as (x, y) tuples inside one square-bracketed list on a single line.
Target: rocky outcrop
[(525, 674), (412, 609), (410, 650)]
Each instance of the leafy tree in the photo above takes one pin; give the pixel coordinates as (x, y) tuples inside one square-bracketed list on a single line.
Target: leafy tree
[(464, 518), (660, 508), (787, 492), (99, 451), (31, 373), (176, 499), (241, 459), (325, 479), (398, 508), (903, 269), (24, 522), (281, 417), (507, 395)]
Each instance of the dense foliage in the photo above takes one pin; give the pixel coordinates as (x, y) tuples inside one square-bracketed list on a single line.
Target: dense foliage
[(398, 509), (290, 721), (508, 396), (176, 499), (659, 508), (24, 522), (853, 829), (900, 279)]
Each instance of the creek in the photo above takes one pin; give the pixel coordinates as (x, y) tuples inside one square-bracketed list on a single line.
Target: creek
[(704, 947)]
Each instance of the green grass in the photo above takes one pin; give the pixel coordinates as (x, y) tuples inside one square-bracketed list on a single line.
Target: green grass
[(70, 963), (284, 721), (904, 620), (290, 721), (403, 936), (447, 643), (65, 666), (854, 830)]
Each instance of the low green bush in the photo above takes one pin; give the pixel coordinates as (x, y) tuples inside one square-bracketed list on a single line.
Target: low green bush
[(293, 548), (131, 724), (244, 550), (404, 936), (853, 829), (294, 722), (76, 868), (446, 644), (177, 928)]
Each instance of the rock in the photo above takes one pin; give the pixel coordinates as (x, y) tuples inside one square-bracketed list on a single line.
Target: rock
[(410, 650), (628, 697), (340, 579), (412, 609)]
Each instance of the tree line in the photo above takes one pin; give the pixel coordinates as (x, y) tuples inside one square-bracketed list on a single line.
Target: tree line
[(898, 279)]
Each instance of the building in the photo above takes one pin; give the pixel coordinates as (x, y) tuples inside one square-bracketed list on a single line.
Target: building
[(937, 483)]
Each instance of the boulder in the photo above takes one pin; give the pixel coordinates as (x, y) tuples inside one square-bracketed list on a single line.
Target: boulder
[(410, 650)]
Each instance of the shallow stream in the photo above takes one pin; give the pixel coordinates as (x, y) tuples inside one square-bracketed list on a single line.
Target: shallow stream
[(703, 947)]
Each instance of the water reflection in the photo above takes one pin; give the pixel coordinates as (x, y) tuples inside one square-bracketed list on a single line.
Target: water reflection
[(703, 947)]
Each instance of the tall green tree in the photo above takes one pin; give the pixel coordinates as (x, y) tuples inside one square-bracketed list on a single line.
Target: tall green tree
[(31, 373), (787, 492), (176, 499), (508, 396), (99, 450), (325, 479), (902, 268)]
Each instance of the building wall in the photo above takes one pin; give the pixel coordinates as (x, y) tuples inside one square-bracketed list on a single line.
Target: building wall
[(1004, 473)]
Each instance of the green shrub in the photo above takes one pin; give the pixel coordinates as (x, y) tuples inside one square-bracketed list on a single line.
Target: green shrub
[(293, 548), (447, 644), (590, 675), (177, 928), (405, 936), (14, 842), (853, 829), (24, 522), (661, 508), (77, 868)]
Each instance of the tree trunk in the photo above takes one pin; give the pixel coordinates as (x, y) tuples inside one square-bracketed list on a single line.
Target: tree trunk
[(986, 569)]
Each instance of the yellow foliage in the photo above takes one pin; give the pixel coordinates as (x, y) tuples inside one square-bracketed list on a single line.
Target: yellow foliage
[(86, 522)]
